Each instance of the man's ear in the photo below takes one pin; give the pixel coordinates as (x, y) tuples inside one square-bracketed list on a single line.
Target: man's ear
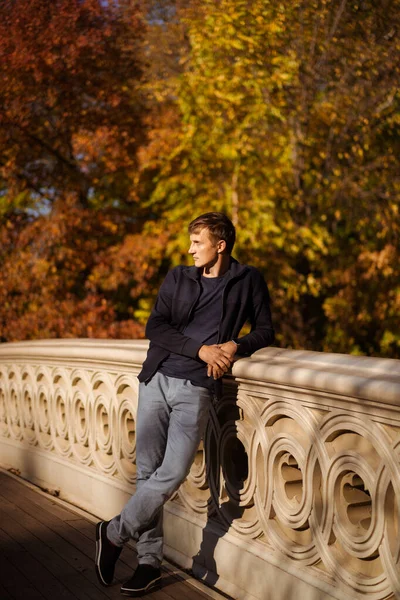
[(221, 246)]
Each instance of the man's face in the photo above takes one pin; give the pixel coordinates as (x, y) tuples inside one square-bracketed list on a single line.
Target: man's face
[(203, 249)]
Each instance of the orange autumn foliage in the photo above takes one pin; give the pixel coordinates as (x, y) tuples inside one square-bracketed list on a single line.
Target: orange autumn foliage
[(65, 275)]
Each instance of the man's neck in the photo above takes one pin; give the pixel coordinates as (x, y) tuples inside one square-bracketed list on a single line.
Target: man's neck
[(219, 268)]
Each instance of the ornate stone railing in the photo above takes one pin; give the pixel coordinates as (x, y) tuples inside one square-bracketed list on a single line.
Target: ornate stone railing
[(295, 492)]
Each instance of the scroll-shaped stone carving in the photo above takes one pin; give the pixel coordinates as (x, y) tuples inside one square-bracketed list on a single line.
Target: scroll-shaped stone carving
[(299, 464), (83, 415), (321, 489)]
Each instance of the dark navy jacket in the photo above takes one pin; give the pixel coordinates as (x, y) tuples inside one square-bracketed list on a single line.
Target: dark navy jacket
[(245, 297)]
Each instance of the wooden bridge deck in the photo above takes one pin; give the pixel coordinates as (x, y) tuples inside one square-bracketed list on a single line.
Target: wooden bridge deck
[(47, 551)]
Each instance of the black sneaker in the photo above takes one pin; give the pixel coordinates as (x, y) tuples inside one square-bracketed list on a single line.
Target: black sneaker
[(145, 579), (106, 554)]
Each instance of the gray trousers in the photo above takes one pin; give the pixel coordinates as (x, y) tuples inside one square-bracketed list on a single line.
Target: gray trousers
[(172, 415)]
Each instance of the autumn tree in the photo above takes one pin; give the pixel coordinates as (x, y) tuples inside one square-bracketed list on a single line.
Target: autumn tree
[(120, 121), (71, 122), (73, 276), (289, 122)]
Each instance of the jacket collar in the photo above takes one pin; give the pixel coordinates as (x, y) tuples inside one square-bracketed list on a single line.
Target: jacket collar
[(235, 270)]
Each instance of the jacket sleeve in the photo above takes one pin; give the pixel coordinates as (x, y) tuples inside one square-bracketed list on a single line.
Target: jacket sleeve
[(159, 329), (262, 333)]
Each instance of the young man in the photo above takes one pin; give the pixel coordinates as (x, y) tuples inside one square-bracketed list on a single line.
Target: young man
[(193, 331)]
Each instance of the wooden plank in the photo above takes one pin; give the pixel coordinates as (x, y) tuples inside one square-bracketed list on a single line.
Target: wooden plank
[(74, 581), (14, 582), (62, 543), (85, 527), (33, 571), (175, 589), (77, 540), (4, 595), (44, 502), (5, 503), (32, 544), (40, 577), (192, 585), (161, 595), (66, 551)]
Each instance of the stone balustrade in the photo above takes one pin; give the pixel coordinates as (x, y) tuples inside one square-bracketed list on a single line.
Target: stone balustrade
[(295, 491)]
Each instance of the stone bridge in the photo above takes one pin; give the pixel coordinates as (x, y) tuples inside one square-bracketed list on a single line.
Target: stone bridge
[(294, 493)]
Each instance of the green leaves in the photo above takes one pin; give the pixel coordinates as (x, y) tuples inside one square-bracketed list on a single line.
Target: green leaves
[(284, 115), (283, 109)]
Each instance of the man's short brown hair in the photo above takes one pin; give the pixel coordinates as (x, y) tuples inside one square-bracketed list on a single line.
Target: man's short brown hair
[(219, 227)]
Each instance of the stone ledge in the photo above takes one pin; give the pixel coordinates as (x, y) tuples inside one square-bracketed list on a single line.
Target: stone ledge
[(358, 377)]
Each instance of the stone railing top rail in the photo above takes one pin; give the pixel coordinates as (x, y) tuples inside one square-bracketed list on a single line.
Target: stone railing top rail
[(369, 378), (117, 352)]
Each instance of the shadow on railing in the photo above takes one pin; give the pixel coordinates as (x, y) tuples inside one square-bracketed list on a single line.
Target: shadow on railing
[(296, 489)]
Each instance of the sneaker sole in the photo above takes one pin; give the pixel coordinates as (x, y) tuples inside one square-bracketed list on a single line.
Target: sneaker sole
[(98, 553), (156, 583)]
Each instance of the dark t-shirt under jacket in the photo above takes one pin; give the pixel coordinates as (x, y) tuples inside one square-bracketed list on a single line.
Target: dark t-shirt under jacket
[(203, 327)]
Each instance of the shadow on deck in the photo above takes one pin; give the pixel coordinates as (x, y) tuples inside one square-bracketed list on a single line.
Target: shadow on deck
[(47, 551)]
